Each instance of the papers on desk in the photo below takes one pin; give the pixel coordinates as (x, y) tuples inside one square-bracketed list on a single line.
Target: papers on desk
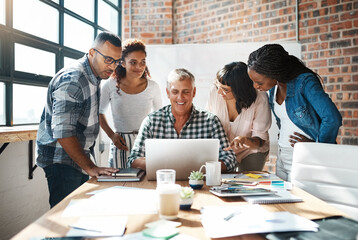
[(226, 221), (114, 201), (98, 226)]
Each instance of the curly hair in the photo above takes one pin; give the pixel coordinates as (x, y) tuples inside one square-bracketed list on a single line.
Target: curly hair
[(235, 76), (273, 61), (129, 46)]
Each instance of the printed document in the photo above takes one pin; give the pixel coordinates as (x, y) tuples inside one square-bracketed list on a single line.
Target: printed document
[(226, 221)]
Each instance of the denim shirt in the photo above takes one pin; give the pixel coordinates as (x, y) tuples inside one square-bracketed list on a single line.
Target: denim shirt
[(310, 108)]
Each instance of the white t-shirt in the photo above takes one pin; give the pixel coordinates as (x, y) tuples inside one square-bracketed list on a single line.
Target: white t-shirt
[(129, 110), (287, 126)]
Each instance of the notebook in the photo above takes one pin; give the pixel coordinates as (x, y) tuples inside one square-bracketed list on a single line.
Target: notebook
[(182, 155), (281, 196), (127, 172), (118, 178)]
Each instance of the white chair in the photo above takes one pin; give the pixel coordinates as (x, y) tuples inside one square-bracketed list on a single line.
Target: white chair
[(329, 172)]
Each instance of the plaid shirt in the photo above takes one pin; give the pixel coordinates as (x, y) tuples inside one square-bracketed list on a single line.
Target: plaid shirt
[(71, 110), (201, 124)]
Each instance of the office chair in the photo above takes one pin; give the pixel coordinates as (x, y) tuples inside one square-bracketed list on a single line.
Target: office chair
[(329, 172)]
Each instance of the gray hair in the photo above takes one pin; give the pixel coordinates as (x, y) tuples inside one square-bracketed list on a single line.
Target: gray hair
[(180, 74)]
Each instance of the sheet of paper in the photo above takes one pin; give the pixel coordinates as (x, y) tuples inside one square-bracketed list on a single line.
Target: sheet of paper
[(98, 226), (140, 236), (114, 201), (251, 219), (110, 188)]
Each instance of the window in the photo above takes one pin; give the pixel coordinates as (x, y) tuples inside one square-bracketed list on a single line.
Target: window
[(39, 38), (107, 16), (32, 22), (77, 6), (2, 12), (78, 35), (2, 104), (44, 64), (68, 61), (28, 103), (115, 2)]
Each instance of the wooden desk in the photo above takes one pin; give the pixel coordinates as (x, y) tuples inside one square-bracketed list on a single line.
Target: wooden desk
[(52, 224)]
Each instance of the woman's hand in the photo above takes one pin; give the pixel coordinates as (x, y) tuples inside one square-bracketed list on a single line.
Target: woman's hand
[(245, 142), (119, 142), (297, 137)]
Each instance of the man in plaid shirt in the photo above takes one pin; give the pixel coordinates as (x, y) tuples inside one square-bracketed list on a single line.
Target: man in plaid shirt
[(181, 119), (69, 123)]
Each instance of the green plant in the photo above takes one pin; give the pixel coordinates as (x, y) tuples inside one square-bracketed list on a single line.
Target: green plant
[(196, 175), (186, 192)]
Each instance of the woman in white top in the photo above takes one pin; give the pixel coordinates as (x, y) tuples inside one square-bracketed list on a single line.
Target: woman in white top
[(244, 113), (132, 96)]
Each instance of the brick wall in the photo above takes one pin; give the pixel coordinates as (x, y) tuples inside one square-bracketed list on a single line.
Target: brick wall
[(328, 31), (151, 21)]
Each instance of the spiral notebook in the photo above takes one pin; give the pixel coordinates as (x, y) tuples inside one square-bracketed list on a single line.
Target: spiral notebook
[(281, 196)]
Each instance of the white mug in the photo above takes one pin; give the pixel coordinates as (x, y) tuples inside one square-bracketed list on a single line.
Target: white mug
[(213, 173)]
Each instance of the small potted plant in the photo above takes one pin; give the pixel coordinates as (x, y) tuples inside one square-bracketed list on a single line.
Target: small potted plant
[(186, 198), (196, 179)]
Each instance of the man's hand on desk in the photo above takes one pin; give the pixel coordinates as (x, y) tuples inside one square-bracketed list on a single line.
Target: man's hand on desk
[(139, 163), (96, 171)]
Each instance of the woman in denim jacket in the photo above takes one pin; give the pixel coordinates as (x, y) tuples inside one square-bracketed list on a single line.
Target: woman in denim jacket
[(303, 111)]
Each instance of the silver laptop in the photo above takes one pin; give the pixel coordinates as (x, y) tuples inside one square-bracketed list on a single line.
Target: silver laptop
[(183, 155)]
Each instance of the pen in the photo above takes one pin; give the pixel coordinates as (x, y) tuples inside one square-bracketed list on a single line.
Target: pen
[(85, 229), (231, 215)]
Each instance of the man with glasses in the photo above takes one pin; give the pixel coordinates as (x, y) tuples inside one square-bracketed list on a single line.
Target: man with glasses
[(69, 123)]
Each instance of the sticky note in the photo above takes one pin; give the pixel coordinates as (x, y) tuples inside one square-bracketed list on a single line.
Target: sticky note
[(253, 175)]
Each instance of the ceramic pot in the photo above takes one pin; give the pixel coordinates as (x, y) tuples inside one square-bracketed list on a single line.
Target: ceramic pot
[(196, 184), (185, 203)]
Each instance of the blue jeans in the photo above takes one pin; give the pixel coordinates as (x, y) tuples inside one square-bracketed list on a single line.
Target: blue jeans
[(62, 180)]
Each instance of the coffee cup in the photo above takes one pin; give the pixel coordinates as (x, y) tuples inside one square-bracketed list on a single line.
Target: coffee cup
[(165, 176), (213, 173), (169, 200)]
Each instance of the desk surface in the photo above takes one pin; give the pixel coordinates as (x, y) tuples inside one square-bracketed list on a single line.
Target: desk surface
[(18, 133), (52, 224)]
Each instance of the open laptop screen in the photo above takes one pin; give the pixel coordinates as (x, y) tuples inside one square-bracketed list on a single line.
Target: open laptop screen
[(183, 155)]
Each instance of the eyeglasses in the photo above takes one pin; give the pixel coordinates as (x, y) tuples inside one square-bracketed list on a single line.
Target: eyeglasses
[(218, 85), (108, 60)]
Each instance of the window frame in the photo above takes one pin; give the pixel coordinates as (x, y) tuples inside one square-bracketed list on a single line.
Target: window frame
[(9, 36)]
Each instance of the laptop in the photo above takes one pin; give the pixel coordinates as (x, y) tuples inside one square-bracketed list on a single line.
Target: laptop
[(182, 155)]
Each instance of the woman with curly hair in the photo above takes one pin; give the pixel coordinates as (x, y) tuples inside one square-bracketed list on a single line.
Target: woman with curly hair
[(132, 95)]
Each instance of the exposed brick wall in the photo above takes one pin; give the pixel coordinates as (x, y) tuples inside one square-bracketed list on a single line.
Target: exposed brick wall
[(328, 31), (151, 21)]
